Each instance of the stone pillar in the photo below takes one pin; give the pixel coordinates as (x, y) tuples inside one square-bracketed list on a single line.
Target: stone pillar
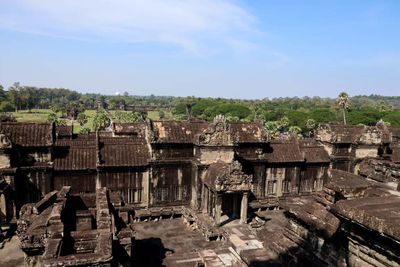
[(14, 212), (98, 182), (146, 188), (195, 188), (205, 199), (279, 180), (3, 208), (243, 208), (218, 208)]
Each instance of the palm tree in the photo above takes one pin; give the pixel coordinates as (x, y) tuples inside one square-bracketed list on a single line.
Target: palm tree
[(310, 125), (344, 103), (189, 103), (382, 106)]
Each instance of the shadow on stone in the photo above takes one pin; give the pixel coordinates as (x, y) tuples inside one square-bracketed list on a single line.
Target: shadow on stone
[(149, 252)]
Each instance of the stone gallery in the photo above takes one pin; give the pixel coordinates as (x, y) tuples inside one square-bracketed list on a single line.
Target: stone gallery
[(195, 193)]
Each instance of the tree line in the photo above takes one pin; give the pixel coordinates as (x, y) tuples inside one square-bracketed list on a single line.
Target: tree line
[(290, 114)]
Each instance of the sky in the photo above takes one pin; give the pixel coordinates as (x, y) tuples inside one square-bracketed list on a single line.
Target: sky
[(218, 48)]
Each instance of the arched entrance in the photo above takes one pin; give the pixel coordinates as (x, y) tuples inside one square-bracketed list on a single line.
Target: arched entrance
[(231, 205), (225, 192)]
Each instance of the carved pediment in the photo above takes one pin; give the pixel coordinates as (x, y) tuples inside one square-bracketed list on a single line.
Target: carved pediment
[(217, 134), (228, 177), (324, 134), (4, 141), (370, 136)]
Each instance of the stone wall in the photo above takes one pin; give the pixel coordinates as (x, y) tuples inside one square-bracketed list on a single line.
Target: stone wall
[(211, 155)]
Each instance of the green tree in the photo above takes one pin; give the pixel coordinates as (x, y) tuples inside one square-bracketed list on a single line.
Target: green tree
[(393, 118), (284, 122), (14, 95), (117, 102), (88, 102), (73, 109), (382, 106), (6, 106), (297, 117), (29, 97), (53, 118), (161, 114), (126, 117), (230, 118), (61, 122), (3, 95), (82, 119), (367, 116), (273, 129), (344, 103), (324, 115), (295, 131), (101, 120), (311, 125), (84, 130), (189, 103)]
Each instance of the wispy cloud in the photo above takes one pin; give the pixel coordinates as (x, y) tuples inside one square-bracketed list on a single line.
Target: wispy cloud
[(192, 25)]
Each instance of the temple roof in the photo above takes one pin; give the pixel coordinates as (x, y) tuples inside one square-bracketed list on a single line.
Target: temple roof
[(28, 134), (137, 129), (285, 152), (123, 152), (248, 132), (177, 131), (64, 131), (191, 131), (381, 214), (312, 213), (313, 152), (75, 155), (347, 184)]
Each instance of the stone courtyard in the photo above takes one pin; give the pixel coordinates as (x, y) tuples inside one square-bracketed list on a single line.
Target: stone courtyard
[(170, 242), (11, 255)]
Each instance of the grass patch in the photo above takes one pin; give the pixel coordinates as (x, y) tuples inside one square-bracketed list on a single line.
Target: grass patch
[(36, 115)]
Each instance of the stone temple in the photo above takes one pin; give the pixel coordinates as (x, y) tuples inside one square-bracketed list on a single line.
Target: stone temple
[(195, 193)]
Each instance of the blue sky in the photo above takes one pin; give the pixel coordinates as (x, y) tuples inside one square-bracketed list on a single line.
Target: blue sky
[(219, 48)]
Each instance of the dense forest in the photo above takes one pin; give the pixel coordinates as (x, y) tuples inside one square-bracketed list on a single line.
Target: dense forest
[(291, 114)]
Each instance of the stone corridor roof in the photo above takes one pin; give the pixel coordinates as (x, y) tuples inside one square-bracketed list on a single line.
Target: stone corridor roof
[(64, 131), (348, 184), (311, 213), (285, 152), (28, 134), (129, 144), (123, 152), (188, 131), (177, 131), (381, 214), (135, 130), (248, 132), (75, 155), (313, 152)]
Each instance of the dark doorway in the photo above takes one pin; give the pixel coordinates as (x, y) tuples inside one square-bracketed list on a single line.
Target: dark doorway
[(231, 205)]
